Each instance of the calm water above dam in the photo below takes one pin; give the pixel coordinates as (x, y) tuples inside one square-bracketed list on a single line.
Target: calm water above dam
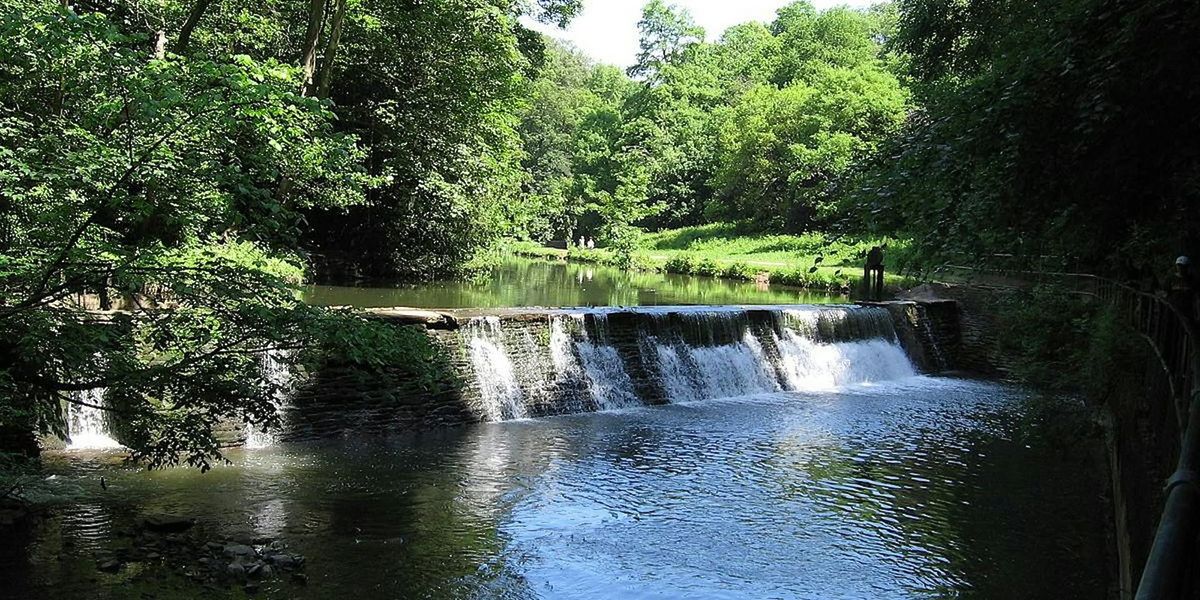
[(526, 282), (913, 488)]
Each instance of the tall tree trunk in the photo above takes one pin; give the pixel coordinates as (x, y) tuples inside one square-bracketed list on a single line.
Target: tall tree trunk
[(160, 44), (308, 55), (194, 16), (308, 62), (325, 77)]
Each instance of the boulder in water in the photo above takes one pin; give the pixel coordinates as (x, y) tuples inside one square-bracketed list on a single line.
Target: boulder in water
[(239, 550), (235, 570)]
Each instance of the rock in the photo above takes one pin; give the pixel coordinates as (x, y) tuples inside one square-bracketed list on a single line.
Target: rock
[(215, 546), (251, 588), (109, 565), (152, 556), (235, 570), (239, 550), (286, 561), (168, 523), (415, 316), (300, 578), (205, 561)]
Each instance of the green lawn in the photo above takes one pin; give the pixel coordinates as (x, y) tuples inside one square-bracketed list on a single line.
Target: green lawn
[(811, 260)]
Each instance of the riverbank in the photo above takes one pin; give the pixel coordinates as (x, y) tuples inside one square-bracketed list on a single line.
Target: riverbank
[(812, 261)]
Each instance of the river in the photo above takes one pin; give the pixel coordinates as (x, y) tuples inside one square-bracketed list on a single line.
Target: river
[(520, 281), (917, 488)]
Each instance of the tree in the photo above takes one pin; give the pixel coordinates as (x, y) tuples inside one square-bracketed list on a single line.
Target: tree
[(178, 182), (572, 107), (1061, 130), (153, 181), (786, 152), (666, 33)]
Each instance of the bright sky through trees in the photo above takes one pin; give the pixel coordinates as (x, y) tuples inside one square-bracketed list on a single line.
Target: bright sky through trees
[(607, 29)]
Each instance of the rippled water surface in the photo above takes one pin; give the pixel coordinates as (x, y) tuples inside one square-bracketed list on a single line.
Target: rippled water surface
[(921, 488)]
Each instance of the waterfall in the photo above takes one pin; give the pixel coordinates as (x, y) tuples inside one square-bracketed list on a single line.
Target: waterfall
[(807, 363), (606, 359), (608, 381), (935, 348), (87, 427), (279, 377), (710, 369), (500, 396)]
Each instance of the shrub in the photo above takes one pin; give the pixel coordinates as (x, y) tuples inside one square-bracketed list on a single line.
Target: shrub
[(683, 264), (708, 267), (739, 270), (641, 262)]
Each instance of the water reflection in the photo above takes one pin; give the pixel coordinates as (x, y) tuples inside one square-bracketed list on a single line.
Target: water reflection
[(923, 488), (526, 282)]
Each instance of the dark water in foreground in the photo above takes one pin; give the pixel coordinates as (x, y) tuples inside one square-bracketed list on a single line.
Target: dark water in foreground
[(526, 282), (921, 488)]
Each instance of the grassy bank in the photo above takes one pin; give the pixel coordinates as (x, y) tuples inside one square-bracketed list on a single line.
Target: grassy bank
[(812, 261)]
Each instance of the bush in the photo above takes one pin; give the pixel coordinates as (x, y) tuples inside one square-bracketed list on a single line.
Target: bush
[(641, 262), (684, 264), (1046, 336), (707, 267), (739, 270)]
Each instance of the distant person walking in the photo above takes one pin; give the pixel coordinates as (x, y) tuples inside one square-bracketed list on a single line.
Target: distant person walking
[(873, 273), (591, 243)]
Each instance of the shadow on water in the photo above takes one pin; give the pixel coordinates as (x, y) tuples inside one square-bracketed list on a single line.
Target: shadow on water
[(391, 516)]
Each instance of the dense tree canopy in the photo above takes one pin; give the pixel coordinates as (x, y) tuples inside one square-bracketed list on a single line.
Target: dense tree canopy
[(1047, 129), (762, 124)]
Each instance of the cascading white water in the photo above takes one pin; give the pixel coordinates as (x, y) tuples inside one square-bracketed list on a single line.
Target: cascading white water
[(279, 374), (608, 381), (87, 428), (702, 372), (686, 354), (808, 364), (499, 392), (590, 362)]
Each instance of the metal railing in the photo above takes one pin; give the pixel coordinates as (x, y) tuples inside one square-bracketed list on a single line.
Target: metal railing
[(1172, 334)]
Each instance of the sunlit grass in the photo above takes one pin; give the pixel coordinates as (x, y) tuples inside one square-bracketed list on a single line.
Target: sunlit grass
[(812, 260)]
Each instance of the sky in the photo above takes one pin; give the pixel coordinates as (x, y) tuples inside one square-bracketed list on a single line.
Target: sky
[(607, 29)]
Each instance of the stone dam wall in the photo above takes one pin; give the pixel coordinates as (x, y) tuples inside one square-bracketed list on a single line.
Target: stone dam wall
[(508, 364)]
